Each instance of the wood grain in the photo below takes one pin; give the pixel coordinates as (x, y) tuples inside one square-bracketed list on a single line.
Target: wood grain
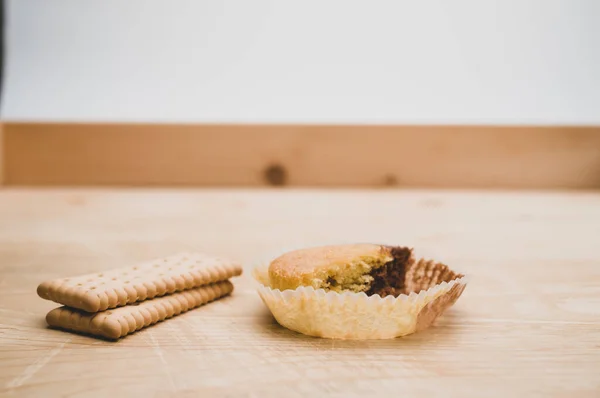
[(527, 325), (298, 155)]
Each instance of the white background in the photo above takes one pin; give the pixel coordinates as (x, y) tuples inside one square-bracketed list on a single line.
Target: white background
[(304, 61)]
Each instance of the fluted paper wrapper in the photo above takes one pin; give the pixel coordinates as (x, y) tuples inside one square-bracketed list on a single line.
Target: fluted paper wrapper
[(356, 316)]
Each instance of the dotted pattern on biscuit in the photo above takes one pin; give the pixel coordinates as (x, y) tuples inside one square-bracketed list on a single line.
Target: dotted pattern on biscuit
[(117, 323), (122, 286)]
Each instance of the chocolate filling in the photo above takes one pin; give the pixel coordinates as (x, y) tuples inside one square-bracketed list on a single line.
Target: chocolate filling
[(331, 282), (389, 279)]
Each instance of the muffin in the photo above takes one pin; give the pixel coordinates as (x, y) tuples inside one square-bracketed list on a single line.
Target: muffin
[(357, 291), (372, 269)]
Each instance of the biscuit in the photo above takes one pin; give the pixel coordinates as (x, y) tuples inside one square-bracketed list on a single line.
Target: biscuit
[(368, 268), (119, 322), (122, 286)]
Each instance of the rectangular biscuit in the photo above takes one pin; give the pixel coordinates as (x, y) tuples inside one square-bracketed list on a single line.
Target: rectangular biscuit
[(122, 286), (119, 322)]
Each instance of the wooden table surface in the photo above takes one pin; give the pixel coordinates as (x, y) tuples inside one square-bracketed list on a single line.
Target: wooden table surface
[(528, 323)]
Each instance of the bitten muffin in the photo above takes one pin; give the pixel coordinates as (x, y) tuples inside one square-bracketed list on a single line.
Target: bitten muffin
[(369, 268)]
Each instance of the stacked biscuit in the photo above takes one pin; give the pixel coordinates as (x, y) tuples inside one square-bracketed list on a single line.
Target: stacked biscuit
[(121, 301)]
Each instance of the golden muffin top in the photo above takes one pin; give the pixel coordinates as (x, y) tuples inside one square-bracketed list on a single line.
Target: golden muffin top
[(336, 267)]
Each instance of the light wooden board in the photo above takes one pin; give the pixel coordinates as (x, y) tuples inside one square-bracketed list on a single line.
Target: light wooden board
[(298, 155), (1, 154), (527, 325)]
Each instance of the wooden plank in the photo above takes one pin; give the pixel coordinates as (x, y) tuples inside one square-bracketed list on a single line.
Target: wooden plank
[(526, 326), (1, 154), (298, 155)]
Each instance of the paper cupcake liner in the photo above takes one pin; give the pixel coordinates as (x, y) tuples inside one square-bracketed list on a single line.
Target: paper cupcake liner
[(356, 316)]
